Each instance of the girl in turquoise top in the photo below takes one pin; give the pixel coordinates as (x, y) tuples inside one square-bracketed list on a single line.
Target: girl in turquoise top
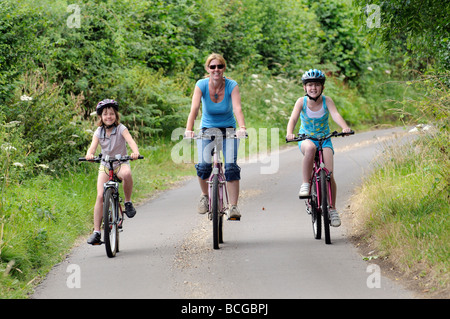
[(313, 110), (221, 102)]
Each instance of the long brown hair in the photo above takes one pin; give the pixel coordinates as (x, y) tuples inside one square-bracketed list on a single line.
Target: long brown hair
[(117, 122)]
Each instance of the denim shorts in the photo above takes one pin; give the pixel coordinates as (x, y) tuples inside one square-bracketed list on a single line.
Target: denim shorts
[(229, 148)]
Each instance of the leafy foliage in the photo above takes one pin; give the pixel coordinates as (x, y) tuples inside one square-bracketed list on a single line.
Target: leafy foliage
[(423, 25)]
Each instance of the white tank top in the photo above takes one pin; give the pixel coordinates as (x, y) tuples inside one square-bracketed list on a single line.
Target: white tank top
[(315, 115)]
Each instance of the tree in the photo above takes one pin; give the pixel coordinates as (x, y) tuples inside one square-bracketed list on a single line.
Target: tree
[(423, 24)]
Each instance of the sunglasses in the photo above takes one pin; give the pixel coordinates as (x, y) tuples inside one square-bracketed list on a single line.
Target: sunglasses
[(219, 66)]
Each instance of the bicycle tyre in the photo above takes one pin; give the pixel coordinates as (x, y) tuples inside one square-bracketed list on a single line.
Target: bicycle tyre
[(315, 212), (221, 227), (324, 205), (215, 211), (110, 229)]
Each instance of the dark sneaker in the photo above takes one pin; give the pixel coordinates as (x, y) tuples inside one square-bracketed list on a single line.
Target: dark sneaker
[(95, 239), (129, 210)]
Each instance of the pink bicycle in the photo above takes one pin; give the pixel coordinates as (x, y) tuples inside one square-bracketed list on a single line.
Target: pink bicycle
[(320, 200), (217, 190)]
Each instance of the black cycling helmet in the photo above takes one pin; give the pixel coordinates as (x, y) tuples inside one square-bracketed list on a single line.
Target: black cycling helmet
[(107, 103), (313, 76)]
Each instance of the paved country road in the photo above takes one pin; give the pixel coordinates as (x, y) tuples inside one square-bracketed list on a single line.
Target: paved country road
[(166, 250)]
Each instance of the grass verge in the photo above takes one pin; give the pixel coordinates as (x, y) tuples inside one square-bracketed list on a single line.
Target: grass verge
[(44, 216), (401, 212)]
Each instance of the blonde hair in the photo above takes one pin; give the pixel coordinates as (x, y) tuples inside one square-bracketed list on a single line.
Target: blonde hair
[(214, 56)]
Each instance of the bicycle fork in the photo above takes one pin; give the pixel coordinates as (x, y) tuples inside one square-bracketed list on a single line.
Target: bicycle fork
[(221, 191), (118, 218), (317, 185)]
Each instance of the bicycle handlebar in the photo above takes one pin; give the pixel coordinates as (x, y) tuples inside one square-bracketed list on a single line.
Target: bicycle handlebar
[(301, 137), (108, 159), (208, 136)]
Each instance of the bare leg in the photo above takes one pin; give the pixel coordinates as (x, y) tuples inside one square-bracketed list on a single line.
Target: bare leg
[(98, 208), (233, 191), (309, 151), (328, 159)]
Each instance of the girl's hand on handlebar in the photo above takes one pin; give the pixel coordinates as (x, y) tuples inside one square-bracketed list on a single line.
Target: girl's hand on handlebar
[(290, 137), (346, 130), (134, 156), (89, 157)]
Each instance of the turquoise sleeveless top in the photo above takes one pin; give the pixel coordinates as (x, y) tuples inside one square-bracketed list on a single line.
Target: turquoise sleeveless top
[(314, 126), (217, 114)]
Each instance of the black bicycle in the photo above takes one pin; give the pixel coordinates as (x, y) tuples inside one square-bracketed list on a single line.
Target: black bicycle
[(320, 200), (113, 216)]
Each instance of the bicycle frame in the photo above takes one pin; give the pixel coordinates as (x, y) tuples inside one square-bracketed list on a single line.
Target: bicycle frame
[(113, 182), (318, 166)]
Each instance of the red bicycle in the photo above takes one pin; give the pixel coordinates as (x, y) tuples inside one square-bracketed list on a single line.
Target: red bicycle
[(320, 200)]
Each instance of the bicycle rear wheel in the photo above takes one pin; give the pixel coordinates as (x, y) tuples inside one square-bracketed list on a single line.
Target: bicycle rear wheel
[(215, 211), (110, 229), (324, 205), (315, 212)]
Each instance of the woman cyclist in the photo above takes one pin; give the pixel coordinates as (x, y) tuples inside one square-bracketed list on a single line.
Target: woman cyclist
[(221, 102)]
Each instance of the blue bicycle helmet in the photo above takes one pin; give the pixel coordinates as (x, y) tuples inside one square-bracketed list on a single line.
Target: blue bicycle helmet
[(313, 76), (107, 102)]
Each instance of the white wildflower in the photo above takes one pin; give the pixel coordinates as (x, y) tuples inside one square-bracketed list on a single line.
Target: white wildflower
[(18, 164), (26, 98), (12, 124), (8, 147)]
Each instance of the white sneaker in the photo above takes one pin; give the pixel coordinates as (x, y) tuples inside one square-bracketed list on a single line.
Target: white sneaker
[(203, 204), (304, 190), (335, 221), (234, 213)]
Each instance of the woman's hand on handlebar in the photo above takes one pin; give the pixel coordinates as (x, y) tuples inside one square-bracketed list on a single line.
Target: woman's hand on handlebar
[(90, 157), (241, 133), (189, 134)]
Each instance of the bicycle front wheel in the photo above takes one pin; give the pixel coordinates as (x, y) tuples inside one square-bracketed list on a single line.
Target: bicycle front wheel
[(110, 229), (315, 212), (324, 205), (215, 211)]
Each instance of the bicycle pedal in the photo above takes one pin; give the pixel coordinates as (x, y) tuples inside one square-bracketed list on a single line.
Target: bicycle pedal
[(305, 197), (235, 218), (97, 244)]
